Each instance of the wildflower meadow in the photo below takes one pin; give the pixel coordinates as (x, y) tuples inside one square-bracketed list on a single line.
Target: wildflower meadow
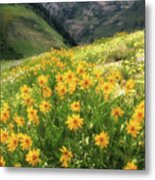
[(81, 107)]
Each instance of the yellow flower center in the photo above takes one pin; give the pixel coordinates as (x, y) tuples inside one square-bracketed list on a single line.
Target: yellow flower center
[(132, 128), (15, 142), (34, 157), (101, 139), (75, 121), (140, 114), (86, 82)]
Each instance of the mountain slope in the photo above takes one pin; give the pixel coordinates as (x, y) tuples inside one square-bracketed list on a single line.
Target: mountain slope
[(86, 21), (24, 33)]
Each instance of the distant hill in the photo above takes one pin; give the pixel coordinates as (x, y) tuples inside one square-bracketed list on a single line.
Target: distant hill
[(24, 33), (86, 21)]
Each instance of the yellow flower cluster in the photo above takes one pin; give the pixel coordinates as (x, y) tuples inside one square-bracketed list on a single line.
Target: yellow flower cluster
[(135, 124)]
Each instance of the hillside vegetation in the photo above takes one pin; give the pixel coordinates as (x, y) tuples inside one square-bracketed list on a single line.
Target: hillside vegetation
[(122, 46), (24, 33), (76, 108)]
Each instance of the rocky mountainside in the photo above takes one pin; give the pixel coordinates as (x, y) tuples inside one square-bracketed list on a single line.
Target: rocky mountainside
[(86, 21)]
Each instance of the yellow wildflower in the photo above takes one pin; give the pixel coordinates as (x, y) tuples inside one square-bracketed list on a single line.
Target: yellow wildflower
[(32, 115), (5, 116), (33, 157), (19, 120), (86, 82), (45, 106), (141, 105), (3, 136), (6, 107), (65, 157), (117, 112), (43, 80), (74, 122), (130, 166), (75, 106), (69, 76), (114, 76), (26, 142), (28, 100), (72, 87), (138, 115), (98, 73), (130, 85), (61, 90), (12, 142), (59, 77), (133, 128), (107, 88), (80, 70), (25, 89), (102, 140), (2, 161), (47, 92), (11, 127)]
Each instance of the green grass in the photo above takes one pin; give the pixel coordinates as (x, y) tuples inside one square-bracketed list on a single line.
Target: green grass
[(24, 33)]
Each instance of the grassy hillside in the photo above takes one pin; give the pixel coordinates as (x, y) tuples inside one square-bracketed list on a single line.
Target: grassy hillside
[(76, 108), (24, 33), (122, 46)]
